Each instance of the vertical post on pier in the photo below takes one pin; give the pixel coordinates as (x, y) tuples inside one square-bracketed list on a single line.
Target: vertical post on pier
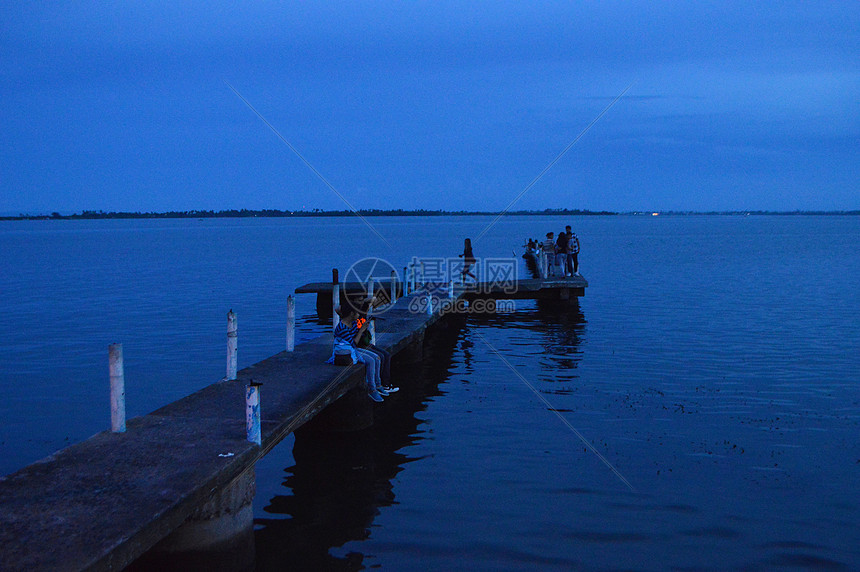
[(335, 298), (371, 286), (252, 412), (423, 282), (429, 303), (414, 272), (291, 323), (232, 345), (451, 288), (393, 287), (371, 325), (117, 388), (406, 281)]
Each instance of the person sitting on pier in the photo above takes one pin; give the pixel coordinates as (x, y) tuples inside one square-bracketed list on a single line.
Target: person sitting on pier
[(346, 336), (365, 342)]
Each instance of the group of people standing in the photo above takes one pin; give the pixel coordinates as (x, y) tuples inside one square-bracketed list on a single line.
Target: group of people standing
[(562, 253)]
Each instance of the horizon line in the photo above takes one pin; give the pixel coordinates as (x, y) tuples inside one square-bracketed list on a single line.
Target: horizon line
[(316, 212)]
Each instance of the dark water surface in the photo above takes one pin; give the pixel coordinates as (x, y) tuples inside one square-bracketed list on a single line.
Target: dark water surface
[(713, 367)]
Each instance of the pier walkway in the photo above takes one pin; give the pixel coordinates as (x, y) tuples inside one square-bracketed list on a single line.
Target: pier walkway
[(102, 503)]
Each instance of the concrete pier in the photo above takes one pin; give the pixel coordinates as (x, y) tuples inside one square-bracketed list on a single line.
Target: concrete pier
[(217, 536), (178, 481)]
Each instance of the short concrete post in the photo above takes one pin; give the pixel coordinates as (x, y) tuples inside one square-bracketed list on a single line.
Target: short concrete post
[(291, 323), (117, 389), (372, 329), (429, 303), (335, 298), (414, 272), (371, 287), (450, 288), (232, 346), (422, 282), (393, 286), (252, 412)]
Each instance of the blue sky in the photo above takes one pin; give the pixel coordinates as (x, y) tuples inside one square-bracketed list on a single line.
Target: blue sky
[(430, 104)]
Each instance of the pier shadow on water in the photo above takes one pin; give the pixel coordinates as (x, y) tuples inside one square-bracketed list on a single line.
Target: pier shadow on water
[(341, 480)]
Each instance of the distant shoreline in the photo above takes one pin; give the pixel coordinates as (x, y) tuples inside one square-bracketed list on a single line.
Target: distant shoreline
[(271, 213)]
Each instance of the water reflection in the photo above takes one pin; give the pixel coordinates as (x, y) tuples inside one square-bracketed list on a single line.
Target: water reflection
[(339, 483), (560, 327)]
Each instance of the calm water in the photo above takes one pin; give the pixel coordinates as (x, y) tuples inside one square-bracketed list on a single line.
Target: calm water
[(713, 364)]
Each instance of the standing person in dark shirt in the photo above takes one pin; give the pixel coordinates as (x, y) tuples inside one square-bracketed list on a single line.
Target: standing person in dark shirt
[(561, 252), (468, 259)]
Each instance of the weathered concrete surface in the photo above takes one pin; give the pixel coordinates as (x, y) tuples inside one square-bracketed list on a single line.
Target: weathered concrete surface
[(103, 502)]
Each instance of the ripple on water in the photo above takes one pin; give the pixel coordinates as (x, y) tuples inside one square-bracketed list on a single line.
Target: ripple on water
[(806, 561), (712, 532), (596, 537)]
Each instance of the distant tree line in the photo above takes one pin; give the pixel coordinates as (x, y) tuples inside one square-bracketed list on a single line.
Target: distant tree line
[(246, 213)]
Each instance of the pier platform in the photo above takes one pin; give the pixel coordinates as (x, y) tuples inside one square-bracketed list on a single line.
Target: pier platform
[(522, 289)]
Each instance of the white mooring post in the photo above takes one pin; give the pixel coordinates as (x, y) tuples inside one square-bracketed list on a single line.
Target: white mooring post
[(232, 346), (429, 303), (405, 280), (371, 325), (371, 287), (291, 323), (393, 287), (335, 299), (252, 412), (117, 388), (414, 272), (421, 280), (450, 288)]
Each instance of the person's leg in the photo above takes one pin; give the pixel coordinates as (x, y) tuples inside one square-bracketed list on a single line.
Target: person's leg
[(371, 375), (568, 263), (385, 369), (576, 263), (377, 362), (466, 272)]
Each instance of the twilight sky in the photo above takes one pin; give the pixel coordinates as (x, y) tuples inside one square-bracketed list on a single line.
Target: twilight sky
[(439, 104)]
